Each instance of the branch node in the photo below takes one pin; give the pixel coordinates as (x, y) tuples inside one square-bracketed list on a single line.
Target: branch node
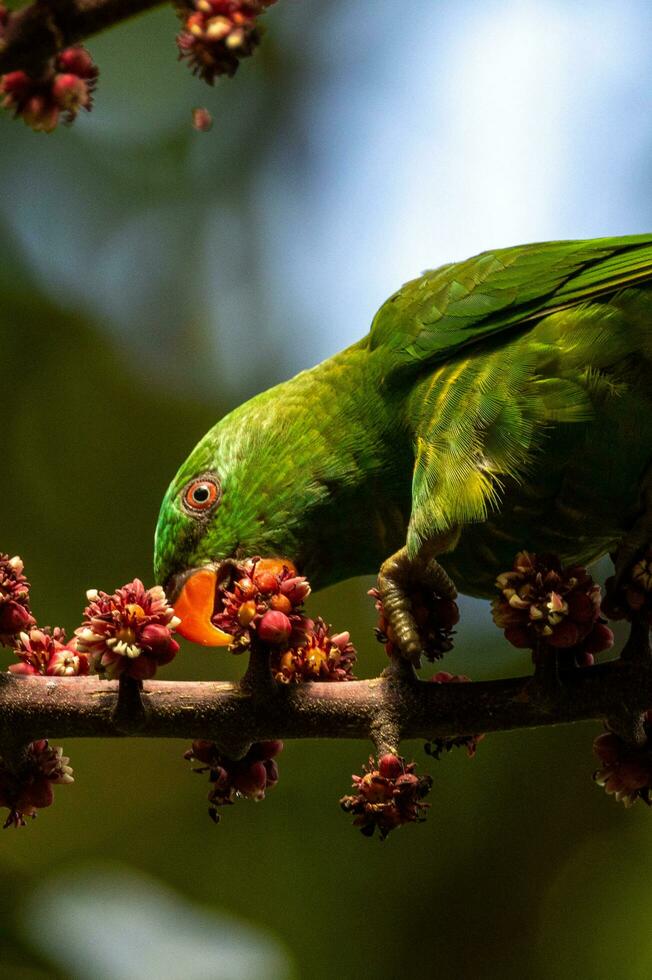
[(130, 714), (258, 679)]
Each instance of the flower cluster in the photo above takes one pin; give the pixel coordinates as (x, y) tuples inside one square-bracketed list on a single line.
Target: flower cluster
[(218, 34), (437, 746), (129, 632), (543, 607), (319, 657), (435, 617), (45, 651), (625, 769), (64, 87), (261, 601), (633, 595), (15, 613), (229, 779), (29, 788), (387, 796)]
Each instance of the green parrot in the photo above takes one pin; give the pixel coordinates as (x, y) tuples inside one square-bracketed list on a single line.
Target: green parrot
[(497, 404)]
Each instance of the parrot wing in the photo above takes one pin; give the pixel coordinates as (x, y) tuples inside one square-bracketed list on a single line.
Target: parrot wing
[(478, 414), (432, 318)]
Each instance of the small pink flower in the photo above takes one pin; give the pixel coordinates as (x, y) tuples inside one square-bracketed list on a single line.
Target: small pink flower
[(545, 607), (315, 656), (248, 777), (29, 788), (45, 651), (387, 796), (218, 34), (626, 769), (257, 601), (128, 632), (64, 87), (15, 613)]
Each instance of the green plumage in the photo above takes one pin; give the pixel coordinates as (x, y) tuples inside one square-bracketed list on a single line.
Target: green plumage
[(508, 396)]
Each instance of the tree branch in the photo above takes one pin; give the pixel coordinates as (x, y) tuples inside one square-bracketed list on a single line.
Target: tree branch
[(37, 32), (86, 707)]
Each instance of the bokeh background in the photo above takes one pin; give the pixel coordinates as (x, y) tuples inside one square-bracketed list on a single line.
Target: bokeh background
[(151, 278)]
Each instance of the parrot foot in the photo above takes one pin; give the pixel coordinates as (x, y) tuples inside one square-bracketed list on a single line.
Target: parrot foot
[(399, 580)]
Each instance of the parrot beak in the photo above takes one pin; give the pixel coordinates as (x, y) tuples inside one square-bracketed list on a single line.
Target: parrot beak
[(194, 607)]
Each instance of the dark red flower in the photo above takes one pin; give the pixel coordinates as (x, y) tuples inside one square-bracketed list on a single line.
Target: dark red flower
[(261, 599), (248, 777), (318, 657), (128, 632), (45, 651), (387, 796), (625, 769), (633, 596), (435, 617), (15, 613), (545, 607), (29, 788), (218, 34), (64, 87)]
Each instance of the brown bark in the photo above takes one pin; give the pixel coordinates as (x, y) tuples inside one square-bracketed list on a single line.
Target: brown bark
[(384, 709), (37, 32)]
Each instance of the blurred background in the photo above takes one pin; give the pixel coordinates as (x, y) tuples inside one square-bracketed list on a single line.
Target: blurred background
[(151, 278)]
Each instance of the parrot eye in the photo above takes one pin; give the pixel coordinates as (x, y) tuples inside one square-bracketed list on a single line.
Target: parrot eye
[(201, 495)]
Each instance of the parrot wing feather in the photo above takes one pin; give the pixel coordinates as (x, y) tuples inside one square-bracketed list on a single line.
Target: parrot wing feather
[(430, 319), (478, 417)]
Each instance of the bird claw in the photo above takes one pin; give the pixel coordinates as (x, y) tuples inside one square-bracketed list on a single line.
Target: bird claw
[(418, 604)]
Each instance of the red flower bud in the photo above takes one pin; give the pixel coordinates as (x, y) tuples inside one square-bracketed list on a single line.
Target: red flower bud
[(14, 618), (566, 634), (600, 638), (390, 766), (202, 120), (281, 603), (266, 582), (247, 612), (77, 61), (17, 84), (251, 782), (70, 92), (271, 768), (296, 589), (266, 750), (518, 636), (274, 627), (22, 668), (157, 638)]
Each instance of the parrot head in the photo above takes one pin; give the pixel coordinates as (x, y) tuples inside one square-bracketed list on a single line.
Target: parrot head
[(246, 490)]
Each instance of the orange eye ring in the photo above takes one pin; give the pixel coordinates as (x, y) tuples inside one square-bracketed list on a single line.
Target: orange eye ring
[(201, 495)]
